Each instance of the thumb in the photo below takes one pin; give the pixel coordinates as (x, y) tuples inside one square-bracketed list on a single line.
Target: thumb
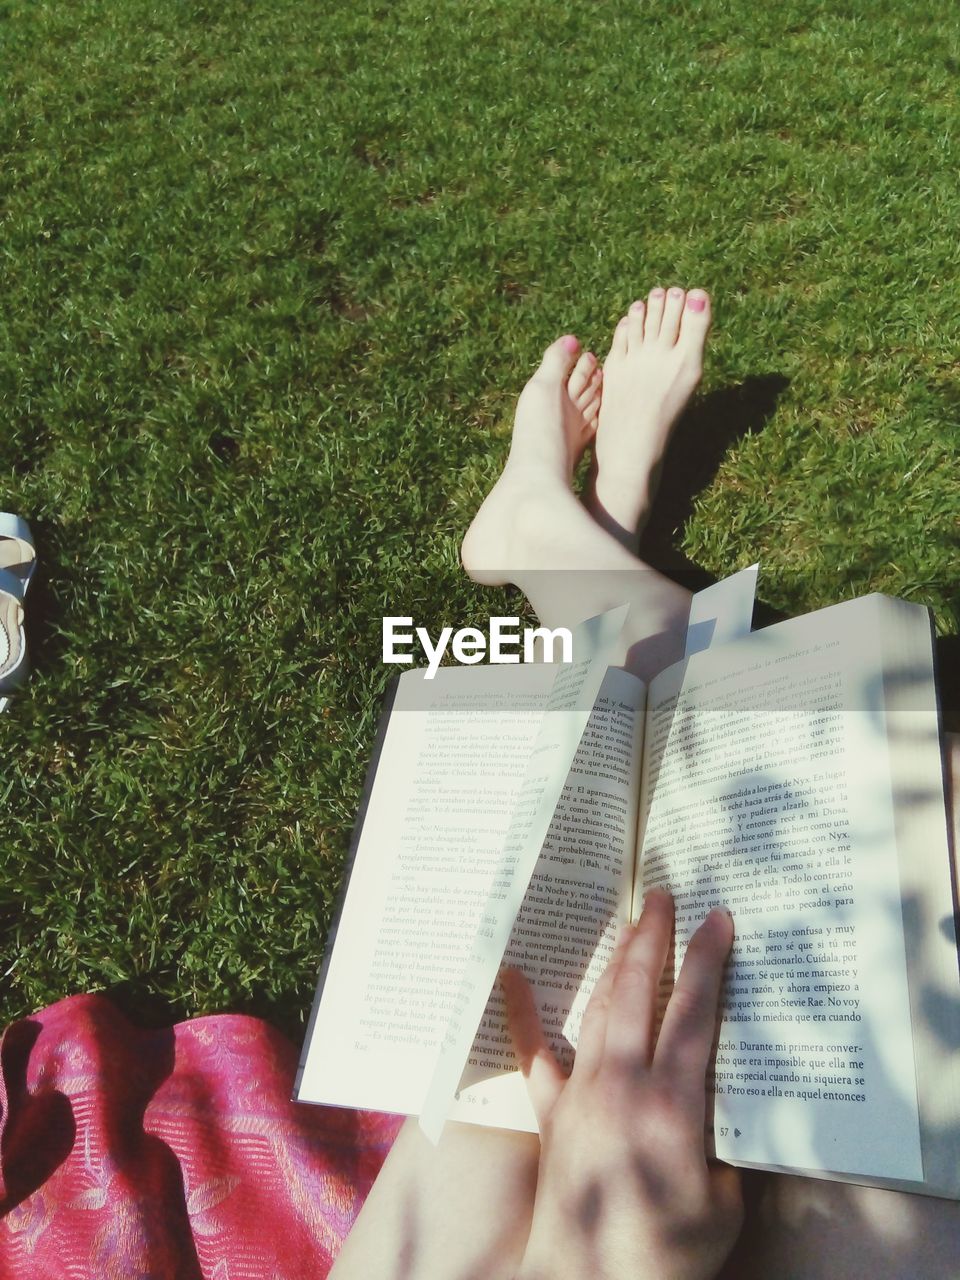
[(727, 1186), (544, 1076)]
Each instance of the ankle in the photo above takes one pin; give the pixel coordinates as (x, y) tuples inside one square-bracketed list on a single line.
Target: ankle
[(623, 498)]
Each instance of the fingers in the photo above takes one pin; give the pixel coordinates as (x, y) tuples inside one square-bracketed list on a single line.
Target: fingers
[(633, 1000), (618, 1023), (593, 1025), (689, 1024), (543, 1074)]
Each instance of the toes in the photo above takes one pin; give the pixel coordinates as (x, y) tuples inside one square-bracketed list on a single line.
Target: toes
[(655, 304), (590, 391), (583, 371), (591, 410), (696, 314), (559, 357), (635, 324), (618, 347), (672, 311), (695, 323)]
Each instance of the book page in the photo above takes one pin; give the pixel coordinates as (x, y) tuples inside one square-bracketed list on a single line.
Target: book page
[(768, 787), (453, 758), (570, 703), (927, 890), (579, 893), (428, 852)]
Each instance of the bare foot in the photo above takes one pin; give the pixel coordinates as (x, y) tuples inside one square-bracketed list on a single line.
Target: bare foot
[(654, 365), (555, 421)]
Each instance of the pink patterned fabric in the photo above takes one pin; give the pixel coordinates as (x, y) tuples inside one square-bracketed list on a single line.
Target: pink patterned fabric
[(170, 1155)]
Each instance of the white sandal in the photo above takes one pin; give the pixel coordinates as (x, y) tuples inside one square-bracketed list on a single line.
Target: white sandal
[(17, 563)]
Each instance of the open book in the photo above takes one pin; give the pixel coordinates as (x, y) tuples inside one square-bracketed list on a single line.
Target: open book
[(794, 776)]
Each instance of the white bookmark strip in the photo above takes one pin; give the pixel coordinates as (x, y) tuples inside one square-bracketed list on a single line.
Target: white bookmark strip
[(569, 705), (723, 612)]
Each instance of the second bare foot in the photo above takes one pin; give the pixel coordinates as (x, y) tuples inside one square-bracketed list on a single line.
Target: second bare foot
[(517, 525), (654, 365)]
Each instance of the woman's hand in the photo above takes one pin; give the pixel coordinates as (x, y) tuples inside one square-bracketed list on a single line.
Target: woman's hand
[(625, 1188)]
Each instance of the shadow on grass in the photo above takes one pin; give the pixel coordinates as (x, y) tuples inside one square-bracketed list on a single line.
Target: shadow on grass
[(698, 446), (149, 1010), (144, 1007)]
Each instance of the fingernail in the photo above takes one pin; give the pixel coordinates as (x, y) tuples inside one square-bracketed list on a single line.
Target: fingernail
[(696, 304), (570, 343)]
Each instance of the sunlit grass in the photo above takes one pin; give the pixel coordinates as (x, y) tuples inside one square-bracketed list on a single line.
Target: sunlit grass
[(272, 276)]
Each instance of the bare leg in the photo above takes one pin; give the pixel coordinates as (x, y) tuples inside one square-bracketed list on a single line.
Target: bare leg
[(533, 531), (808, 1229), (457, 1211), (795, 1227), (462, 1210)]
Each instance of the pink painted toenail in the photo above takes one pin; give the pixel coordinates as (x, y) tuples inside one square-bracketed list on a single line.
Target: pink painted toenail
[(676, 293), (570, 343), (696, 304), (636, 306), (657, 293)]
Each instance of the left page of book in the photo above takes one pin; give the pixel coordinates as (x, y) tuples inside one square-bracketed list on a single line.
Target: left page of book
[(453, 758)]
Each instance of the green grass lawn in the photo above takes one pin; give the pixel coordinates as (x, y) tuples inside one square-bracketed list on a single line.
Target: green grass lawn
[(272, 276)]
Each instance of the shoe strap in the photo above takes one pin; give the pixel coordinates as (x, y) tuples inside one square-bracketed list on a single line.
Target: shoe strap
[(12, 585), (17, 530)]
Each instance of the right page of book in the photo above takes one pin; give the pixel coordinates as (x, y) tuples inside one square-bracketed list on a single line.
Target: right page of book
[(767, 788)]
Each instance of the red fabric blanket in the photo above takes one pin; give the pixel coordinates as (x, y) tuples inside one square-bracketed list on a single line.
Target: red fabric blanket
[(170, 1154)]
